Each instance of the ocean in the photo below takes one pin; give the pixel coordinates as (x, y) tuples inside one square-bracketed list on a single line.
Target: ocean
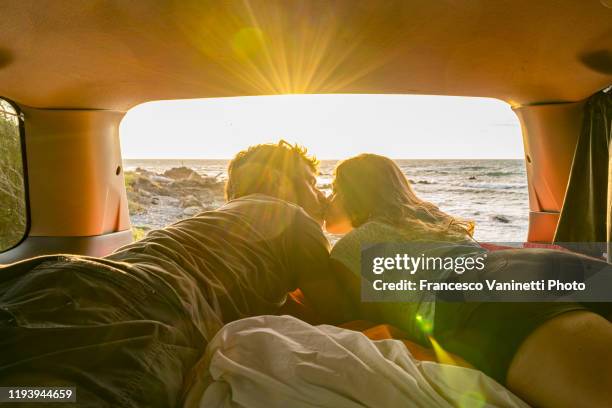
[(492, 193)]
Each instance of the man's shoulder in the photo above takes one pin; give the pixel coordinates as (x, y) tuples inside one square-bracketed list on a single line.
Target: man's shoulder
[(259, 200), (269, 211), (264, 203)]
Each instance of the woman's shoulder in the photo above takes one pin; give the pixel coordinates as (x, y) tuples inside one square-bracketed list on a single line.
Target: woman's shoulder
[(348, 249), (378, 231), (369, 233)]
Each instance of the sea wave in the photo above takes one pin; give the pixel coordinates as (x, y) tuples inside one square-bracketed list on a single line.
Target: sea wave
[(472, 167), (493, 186), (501, 173), (426, 182)]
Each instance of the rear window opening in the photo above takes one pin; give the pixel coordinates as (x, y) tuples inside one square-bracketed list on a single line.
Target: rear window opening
[(465, 155), (13, 202)]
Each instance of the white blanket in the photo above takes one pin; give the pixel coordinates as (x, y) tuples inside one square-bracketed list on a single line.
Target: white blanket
[(280, 361)]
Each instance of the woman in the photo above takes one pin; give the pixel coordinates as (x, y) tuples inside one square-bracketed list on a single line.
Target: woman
[(550, 354)]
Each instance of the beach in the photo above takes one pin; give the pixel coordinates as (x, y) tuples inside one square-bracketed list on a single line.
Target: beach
[(493, 193)]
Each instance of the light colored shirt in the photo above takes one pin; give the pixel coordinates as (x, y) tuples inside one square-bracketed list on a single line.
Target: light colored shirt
[(416, 314)]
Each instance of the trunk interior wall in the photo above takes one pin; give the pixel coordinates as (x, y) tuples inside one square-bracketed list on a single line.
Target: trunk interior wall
[(550, 133), (75, 187)]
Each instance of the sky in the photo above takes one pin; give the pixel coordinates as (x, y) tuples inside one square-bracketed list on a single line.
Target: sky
[(330, 126)]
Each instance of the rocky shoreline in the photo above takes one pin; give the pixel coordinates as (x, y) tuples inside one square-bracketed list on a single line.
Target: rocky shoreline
[(156, 200)]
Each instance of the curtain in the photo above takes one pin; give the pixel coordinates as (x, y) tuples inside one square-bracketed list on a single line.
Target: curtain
[(585, 216)]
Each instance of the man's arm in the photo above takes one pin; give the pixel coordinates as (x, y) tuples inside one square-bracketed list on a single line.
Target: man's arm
[(309, 259)]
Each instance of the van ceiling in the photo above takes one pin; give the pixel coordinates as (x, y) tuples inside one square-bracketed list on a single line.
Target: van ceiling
[(114, 54)]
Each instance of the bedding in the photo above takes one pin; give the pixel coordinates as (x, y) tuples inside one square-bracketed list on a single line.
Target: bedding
[(280, 361)]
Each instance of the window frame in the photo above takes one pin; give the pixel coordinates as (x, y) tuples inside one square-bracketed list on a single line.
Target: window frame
[(24, 164)]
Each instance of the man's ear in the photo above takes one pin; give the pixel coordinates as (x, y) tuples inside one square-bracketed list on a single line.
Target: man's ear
[(280, 185), (253, 178)]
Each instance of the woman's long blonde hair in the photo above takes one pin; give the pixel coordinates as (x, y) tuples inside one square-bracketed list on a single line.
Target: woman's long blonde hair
[(373, 187)]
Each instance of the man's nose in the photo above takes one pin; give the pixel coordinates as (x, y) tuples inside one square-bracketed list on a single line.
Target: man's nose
[(323, 200)]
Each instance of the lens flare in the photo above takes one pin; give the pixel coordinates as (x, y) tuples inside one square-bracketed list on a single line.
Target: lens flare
[(472, 399), (425, 325), (453, 376), (248, 43), (257, 47), (443, 356)]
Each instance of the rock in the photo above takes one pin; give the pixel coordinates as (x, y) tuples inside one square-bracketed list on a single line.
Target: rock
[(190, 201), (218, 203), (182, 173), (500, 218), (135, 207), (158, 200), (143, 172), (160, 179), (144, 183), (206, 196), (191, 211), (217, 187)]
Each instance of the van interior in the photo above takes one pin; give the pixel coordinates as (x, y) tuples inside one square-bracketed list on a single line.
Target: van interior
[(73, 72), (69, 72)]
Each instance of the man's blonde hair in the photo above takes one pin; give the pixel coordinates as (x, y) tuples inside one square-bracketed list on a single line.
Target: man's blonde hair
[(247, 169)]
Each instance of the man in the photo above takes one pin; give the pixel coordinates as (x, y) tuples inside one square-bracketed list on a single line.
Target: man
[(126, 329)]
